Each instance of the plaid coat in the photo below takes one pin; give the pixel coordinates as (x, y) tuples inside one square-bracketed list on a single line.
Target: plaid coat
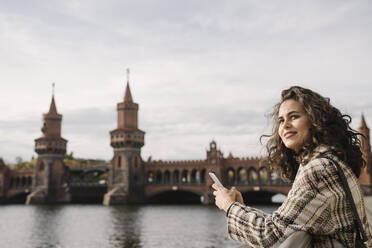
[(316, 203)]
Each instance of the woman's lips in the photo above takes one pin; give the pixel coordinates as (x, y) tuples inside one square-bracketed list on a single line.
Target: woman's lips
[(289, 134)]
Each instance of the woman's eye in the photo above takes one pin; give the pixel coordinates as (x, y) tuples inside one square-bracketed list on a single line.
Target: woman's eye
[(293, 117)]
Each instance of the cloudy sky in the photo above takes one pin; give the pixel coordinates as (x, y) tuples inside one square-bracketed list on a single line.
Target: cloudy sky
[(200, 70)]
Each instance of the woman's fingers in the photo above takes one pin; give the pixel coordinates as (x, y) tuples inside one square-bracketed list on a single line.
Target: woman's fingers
[(224, 198), (216, 187)]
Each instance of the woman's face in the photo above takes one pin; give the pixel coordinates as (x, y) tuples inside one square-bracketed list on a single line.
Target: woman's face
[(294, 125)]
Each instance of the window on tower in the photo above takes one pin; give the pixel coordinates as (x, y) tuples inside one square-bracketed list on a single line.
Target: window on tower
[(119, 162)]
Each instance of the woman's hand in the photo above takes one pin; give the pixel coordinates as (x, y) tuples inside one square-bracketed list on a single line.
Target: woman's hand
[(238, 196), (225, 198)]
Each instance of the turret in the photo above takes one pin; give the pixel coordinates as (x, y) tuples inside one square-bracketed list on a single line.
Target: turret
[(126, 176), (51, 140), (365, 177), (50, 173), (127, 133)]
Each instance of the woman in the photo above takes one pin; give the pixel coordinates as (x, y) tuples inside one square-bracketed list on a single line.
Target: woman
[(309, 135)]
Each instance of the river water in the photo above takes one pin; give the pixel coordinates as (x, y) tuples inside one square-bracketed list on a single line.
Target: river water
[(96, 226)]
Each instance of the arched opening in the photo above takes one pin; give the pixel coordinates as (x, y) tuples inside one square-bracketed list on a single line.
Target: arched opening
[(195, 176), (29, 181), (136, 162), (92, 176), (23, 182), (184, 176), (176, 177), (11, 183), (103, 178), (89, 187), (202, 176), (18, 198), (242, 176), (167, 177), (158, 177), (175, 197), (150, 177), (263, 176), (252, 176), (275, 178), (230, 176)]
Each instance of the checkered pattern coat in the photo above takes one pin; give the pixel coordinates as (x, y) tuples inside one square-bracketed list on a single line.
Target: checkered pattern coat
[(316, 203)]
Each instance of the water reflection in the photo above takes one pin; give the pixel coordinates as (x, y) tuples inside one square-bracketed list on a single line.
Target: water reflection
[(45, 220), (126, 227), (95, 226)]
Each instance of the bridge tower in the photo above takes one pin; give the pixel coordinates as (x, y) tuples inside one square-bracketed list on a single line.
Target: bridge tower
[(126, 174), (215, 161), (50, 173), (366, 174)]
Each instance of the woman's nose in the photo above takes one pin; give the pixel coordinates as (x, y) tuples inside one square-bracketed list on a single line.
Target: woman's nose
[(287, 124)]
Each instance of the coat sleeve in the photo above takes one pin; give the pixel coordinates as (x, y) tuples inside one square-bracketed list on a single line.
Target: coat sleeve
[(305, 209)]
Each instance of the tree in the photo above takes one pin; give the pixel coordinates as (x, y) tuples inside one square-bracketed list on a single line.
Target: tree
[(18, 160), (70, 156), (149, 159)]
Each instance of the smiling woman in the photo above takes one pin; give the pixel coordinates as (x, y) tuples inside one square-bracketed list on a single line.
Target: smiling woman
[(294, 125), (314, 147)]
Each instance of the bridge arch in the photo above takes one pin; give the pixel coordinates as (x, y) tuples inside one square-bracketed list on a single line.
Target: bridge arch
[(252, 176), (230, 176), (176, 177), (169, 196), (258, 197), (184, 176), (17, 182), (93, 175), (167, 178), (18, 197), (263, 175), (159, 177), (29, 180), (11, 182), (150, 177), (195, 176), (23, 181), (242, 176), (202, 176), (275, 178)]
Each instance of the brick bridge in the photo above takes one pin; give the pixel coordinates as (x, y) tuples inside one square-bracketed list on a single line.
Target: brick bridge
[(15, 185), (180, 180), (170, 177)]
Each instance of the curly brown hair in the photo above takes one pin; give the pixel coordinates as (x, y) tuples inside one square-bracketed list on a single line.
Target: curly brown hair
[(328, 127)]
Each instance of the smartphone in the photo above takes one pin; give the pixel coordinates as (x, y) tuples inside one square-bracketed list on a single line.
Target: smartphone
[(215, 178)]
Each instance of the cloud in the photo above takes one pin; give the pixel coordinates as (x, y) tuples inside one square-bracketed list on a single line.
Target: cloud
[(199, 70)]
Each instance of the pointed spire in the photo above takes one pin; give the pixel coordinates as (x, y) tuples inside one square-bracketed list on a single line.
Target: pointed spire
[(53, 108), (363, 123), (128, 95)]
